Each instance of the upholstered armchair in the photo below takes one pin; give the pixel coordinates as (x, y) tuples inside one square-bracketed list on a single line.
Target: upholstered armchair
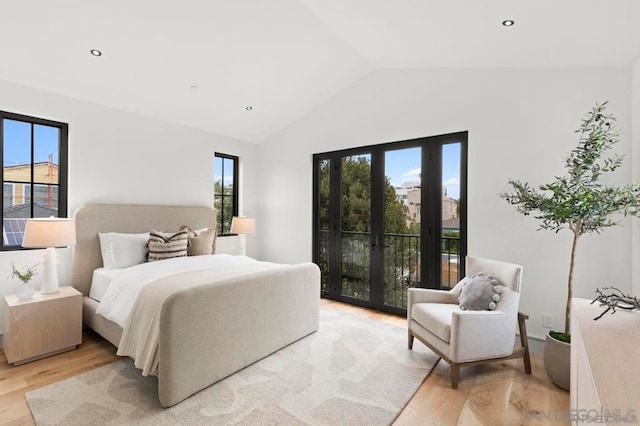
[(464, 338)]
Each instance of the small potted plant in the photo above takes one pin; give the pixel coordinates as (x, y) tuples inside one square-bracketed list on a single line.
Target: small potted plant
[(25, 292), (581, 202)]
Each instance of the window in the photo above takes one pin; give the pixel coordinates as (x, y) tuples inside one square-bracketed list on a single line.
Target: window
[(225, 192), (371, 240), (34, 173)]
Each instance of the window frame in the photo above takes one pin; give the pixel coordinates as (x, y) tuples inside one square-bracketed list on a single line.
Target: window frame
[(431, 196), (234, 195), (63, 166)]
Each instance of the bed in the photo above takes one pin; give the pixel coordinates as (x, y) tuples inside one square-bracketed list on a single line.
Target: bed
[(210, 330)]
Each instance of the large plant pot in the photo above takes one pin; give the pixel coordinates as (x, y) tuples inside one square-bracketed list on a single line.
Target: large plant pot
[(557, 362)]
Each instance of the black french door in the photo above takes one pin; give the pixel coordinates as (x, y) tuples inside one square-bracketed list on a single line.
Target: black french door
[(388, 217)]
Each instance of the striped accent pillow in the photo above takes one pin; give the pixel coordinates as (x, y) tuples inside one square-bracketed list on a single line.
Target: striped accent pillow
[(164, 245)]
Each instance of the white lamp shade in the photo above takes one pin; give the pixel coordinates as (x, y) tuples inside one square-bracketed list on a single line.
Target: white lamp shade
[(243, 225), (49, 232)]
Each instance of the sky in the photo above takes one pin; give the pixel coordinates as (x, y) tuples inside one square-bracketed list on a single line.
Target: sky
[(228, 170), (400, 166), (404, 166), (17, 143)]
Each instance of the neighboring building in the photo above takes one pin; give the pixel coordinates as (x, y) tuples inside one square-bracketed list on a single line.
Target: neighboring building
[(414, 204), (402, 191), (410, 194), (17, 188), (16, 197), (449, 206)]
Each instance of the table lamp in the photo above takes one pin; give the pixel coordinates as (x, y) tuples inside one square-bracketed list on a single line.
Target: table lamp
[(49, 233), (242, 226)]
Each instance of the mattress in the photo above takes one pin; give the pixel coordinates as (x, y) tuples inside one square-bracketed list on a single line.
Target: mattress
[(116, 303), (100, 282)]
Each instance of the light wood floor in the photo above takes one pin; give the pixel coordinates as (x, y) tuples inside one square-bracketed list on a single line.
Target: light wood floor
[(491, 394), (498, 393)]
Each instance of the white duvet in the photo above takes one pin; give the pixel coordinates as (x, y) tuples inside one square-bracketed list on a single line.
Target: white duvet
[(118, 300)]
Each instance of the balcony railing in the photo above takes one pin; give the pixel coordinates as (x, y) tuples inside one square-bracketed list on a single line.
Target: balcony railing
[(401, 264)]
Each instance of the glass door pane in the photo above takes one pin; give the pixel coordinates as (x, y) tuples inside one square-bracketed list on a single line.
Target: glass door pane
[(450, 203), (324, 176), (389, 217), (402, 218), (355, 230)]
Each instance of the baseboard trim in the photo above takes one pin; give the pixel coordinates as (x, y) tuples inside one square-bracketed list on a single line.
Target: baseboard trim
[(536, 344)]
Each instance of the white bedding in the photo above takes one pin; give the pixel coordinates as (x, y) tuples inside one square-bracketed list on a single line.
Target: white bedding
[(122, 292), (100, 282)]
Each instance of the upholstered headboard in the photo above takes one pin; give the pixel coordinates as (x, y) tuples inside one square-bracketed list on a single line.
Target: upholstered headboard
[(91, 219)]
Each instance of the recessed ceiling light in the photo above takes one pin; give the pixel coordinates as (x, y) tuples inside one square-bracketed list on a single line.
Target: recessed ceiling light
[(248, 108), (194, 87), (508, 23), (96, 52)]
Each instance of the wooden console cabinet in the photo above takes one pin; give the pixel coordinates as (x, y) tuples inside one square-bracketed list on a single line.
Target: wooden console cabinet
[(45, 325), (605, 365)]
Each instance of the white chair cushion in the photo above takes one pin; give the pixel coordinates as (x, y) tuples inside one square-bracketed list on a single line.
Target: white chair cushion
[(435, 317), (508, 274)]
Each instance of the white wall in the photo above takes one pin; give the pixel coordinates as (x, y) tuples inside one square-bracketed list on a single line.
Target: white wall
[(520, 124), (635, 161), (120, 157)]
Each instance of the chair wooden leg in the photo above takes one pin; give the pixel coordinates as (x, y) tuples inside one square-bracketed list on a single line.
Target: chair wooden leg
[(524, 340), (455, 370), (410, 340)]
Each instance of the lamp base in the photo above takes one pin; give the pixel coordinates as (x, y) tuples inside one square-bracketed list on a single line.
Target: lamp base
[(50, 274), (242, 245)]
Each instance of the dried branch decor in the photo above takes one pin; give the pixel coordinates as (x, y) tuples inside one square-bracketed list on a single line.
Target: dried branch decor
[(615, 300)]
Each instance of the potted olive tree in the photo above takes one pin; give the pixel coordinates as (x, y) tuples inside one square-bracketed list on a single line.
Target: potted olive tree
[(581, 202)]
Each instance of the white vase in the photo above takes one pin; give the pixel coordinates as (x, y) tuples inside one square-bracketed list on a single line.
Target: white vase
[(25, 292)]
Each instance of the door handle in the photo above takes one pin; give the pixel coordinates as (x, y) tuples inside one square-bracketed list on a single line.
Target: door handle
[(378, 242)]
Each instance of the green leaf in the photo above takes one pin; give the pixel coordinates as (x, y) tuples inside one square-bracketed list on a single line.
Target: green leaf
[(580, 200)]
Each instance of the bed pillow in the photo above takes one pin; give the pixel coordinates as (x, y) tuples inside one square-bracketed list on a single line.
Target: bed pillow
[(123, 250), (201, 241), (163, 245)]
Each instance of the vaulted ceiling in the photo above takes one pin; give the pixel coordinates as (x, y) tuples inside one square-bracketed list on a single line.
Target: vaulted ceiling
[(201, 63)]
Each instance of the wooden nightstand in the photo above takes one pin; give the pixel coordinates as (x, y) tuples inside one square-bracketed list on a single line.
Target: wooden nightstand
[(45, 325)]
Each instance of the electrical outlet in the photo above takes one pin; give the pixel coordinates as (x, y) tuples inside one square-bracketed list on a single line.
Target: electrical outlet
[(547, 320)]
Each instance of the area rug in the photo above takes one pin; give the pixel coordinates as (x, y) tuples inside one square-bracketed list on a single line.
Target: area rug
[(352, 371)]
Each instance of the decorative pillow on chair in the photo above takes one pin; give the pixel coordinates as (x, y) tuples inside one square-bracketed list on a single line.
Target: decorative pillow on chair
[(164, 245), (480, 293), (201, 241)]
